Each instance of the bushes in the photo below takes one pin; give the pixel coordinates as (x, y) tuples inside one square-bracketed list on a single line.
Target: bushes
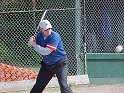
[(22, 57)]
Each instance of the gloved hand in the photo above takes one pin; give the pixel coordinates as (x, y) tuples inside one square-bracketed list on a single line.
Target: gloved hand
[(32, 42)]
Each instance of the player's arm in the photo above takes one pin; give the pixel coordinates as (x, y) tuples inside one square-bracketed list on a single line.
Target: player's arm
[(42, 50), (37, 48), (51, 46)]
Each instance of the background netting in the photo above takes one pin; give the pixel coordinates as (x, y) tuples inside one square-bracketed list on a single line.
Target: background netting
[(19, 20)]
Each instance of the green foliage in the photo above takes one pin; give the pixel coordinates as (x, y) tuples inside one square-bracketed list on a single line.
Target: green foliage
[(6, 54), (22, 57)]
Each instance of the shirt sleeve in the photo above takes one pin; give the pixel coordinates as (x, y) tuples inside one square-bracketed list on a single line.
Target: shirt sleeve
[(42, 50), (53, 42)]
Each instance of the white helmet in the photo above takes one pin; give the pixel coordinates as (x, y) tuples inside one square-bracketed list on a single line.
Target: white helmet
[(45, 24)]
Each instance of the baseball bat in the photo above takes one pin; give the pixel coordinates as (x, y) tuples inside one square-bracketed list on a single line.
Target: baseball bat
[(35, 34), (39, 22)]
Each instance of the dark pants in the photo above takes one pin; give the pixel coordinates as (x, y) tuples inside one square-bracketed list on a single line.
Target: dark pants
[(47, 72)]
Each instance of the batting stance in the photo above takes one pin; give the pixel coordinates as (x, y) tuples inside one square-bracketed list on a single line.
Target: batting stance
[(48, 43)]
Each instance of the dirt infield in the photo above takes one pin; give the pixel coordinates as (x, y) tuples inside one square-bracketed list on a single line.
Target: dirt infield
[(116, 88), (94, 89)]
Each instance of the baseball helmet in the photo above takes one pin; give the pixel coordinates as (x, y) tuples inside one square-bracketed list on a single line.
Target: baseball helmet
[(45, 24)]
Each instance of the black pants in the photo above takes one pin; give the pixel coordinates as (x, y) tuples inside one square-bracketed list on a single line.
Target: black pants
[(47, 72)]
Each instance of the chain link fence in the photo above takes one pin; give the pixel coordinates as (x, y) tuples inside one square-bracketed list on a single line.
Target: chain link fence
[(19, 20), (105, 25)]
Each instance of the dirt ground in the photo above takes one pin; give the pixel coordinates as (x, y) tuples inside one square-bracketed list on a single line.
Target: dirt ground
[(116, 88), (94, 89)]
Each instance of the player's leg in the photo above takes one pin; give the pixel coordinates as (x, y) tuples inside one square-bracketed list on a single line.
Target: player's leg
[(62, 79), (42, 80)]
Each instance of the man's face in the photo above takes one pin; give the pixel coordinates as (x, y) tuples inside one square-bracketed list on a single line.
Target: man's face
[(46, 32)]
